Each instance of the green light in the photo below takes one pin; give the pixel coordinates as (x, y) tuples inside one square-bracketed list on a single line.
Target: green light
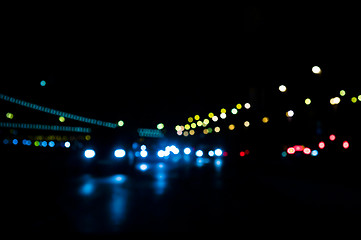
[(10, 115), (342, 93), (160, 126), (354, 99), (62, 119), (120, 123), (37, 143)]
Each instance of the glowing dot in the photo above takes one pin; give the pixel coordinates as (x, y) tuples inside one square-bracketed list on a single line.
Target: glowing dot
[(160, 126), (67, 144), (187, 127), (190, 119), (217, 129), (43, 83), (316, 70), (290, 113), (321, 145), (196, 117), (119, 153), (332, 137), (215, 118), (88, 137), (120, 123), (354, 99), (247, 106), (10, 115), (265, 119), (335, 100), (239, 106), (223, 110), (282, 88), (345, 145), (231, 127), (199, 123), (234, 111), (205, 131), (143, 167), (247, 123), (210, 115), (178, 128), (36, 143), (342, 93), (62, 119), (242, 154), (308, 101), (359, 97), (206, 121), (211, 153), (185, 133), (193, 125), (307, 151), (314, 153), (89, 153), (199, 153), (218, 152), (143, 153), (192, 132), (291, 150), (223, 115), (187, 151)]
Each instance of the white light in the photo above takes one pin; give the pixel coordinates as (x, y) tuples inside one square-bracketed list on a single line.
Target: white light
[(143, 153), (247, 106), (119, 153), (161, 153), (211, 153), (215, 118), (199, 153), (282, 88), (187, 151), (223, 115), (89, 153), (218, 152), (67, 144), (234, 111), (316, 69), (143, 167), (143, 147), (290, 113)]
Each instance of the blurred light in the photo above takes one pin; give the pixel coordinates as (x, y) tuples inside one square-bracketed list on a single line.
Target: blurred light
[(215, 118), (185, 133), (242, 154), (199, 153), (15, 141), (345, 144), (246, 123), (265, 119), (210, 115), (161, 165), (187, 151), (321, 145), (160, 126), (225, 154), (314, 153), (6, 141), (342, 93), (199, 123), (196, 117), (290, 113), (87, 189), (10, 115), (211, 153), (239, 106), (118, 178), (359, 97), (231, 127), (223, 110), (174, 149), (217, 129), (89, 153), (190, 119), (192, 132), (161, 153), (234, 111), (143, 147), (308, 101), (88, 137), (143, 153), (247, 106), (119, 153), (51, 144), (307, 151), (43, 83), (354, 99), (205, 131), (206, 121), (282, 88), (187, 127), (193, 125), (36, 143), (336, 100), (120, 123), (316, 70), (210, 130), (246, 152), (218, 152), (62, 119), (143, 167), (284, 154), (223, 115), (298, 148), (332, 137), (44, 143), (291, 150), (67, 144), (218, 163)]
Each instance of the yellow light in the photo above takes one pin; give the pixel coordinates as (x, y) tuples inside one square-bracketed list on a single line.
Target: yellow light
[(187, 127), (342, 93), (308, 101), (199, 123), (354, 99), (217, 129), (193, 125), (206, 121), (335, 100), (265, 119), (247, 106), (316, 70), (190, 119), (359, 97), (196, 117), (160, 126), (223, 110), (185, 133), (120, 123), (87, 137), (239, 106), (246, 124), (210, 115), (231, 127), (177, 128), (205, 131), (10, 115), (282, 88), (62, 119), (192, 132)]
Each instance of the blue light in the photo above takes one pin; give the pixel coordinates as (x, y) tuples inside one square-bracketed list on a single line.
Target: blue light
[(89, 153), (118, 178), (51, 144), (218, 152), (87, 189), (143, 167), (314, 153), (218, 163), (119, 153), (6, 141), (44, 143), (143, 147), (199, 153), (187, 151), (161, 165), (143, 154), (43, 83), (284, 154), (211, 153), (15, 142)]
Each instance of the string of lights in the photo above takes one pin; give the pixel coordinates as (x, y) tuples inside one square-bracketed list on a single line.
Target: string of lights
[(45, 127), (56, 112)]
